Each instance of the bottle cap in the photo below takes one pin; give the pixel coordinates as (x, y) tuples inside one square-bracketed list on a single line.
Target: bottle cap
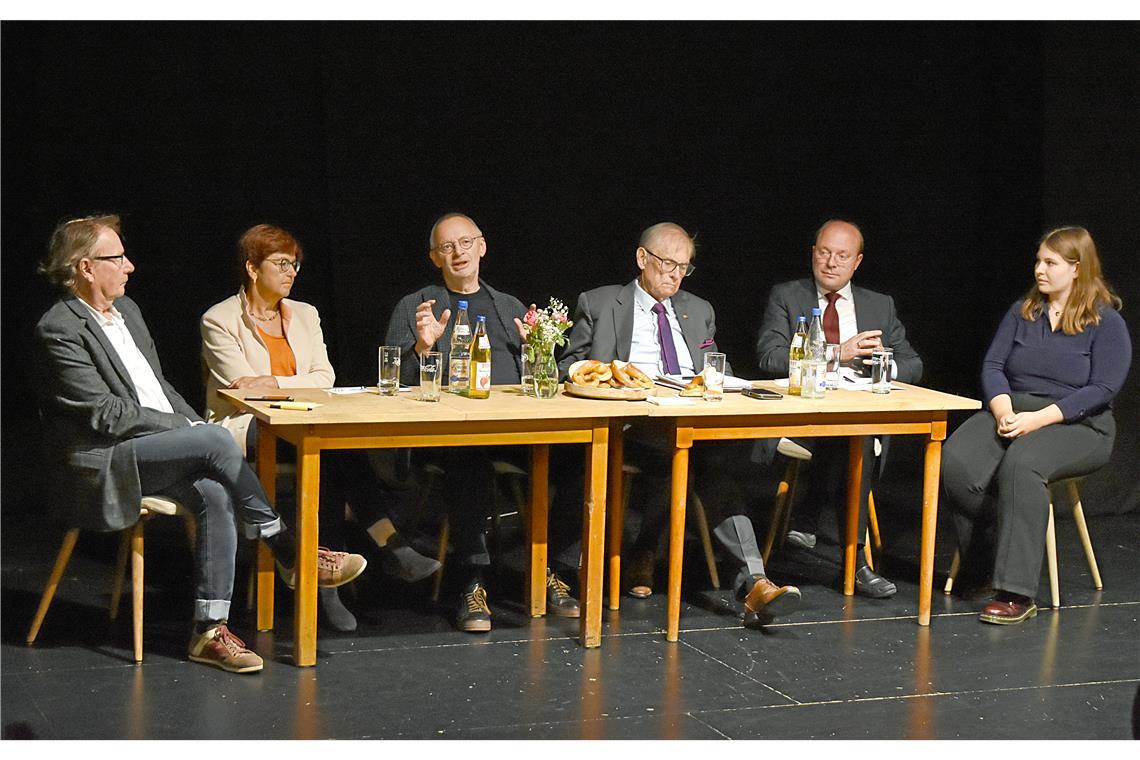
[(801, 318), (480, 318), (463, 304), (816, 311)]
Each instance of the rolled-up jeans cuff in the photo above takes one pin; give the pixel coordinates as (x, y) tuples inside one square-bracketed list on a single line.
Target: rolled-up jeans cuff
[(211, 609), (264, 530)]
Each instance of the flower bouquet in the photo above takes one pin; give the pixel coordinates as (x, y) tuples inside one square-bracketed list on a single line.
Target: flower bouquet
[(545, 330)]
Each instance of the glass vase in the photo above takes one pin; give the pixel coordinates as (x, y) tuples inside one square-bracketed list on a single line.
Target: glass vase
[(545, 380)]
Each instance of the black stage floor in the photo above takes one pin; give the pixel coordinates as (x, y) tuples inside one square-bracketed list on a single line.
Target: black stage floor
[(837, 668)]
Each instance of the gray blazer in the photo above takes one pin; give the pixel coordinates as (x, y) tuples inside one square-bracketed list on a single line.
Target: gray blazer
[(603, 326), (92, 414), (402, 327), (873, 311)]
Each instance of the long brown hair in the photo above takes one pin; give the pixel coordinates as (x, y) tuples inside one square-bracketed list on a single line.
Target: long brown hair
[(1075, 245)]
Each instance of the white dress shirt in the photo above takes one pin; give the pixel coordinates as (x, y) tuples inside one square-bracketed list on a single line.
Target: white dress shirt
[(146, 384), (646, 349)]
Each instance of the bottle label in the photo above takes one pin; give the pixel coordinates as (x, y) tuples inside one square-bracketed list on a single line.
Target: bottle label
[(797, 340), (462, 331), (484, 342), (795, 373), (482, 378)]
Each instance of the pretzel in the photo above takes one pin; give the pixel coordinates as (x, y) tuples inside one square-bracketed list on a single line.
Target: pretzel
[(696, 387), (638, 377), (592, 373), (621, 377)]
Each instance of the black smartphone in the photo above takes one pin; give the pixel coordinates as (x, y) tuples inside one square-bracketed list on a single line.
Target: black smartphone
[(271, 397), (762, 393)]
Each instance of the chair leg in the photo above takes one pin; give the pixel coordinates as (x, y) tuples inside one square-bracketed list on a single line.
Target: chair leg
[(137, 587), (873, 522), (1051, 557), (786, 523), (1083, 530), (867, 549), (120, 572), (61, 561), (783, 503), (444, 537), (954, 564), (706, 539)]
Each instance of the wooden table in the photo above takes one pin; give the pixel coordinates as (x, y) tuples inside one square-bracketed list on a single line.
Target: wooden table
[(367, 421), (849, 413)]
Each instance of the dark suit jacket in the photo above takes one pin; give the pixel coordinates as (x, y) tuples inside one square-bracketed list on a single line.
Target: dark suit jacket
[(402, 327), (603, 326), (873, 311), (92, 413)]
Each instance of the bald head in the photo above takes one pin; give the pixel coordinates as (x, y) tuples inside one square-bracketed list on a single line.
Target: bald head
[(841, 226), (432, 242), (667, 234), (664, 255), (837, 253)]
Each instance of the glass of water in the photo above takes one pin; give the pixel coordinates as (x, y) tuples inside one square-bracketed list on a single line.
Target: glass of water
[(527, 374), (831, 357), (389, 370), (431, 368), (882, 366), (714, 376)]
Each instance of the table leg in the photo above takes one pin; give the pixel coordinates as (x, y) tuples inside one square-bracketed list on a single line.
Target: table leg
[(616, 510), (931, 471), (537, 527), (679, 495), (851, 529), (593, 537), (305, 601), (267, 471)]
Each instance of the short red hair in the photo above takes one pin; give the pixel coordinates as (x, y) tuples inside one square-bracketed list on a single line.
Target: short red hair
[(262, 241)]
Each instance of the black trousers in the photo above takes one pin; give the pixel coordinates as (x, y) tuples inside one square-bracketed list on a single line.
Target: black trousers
[(985, 476), (827, 484)]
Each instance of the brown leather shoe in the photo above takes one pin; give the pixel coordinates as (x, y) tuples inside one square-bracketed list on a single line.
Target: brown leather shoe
[(333, 569), (639, 575), (1008, 609), (767, 600), (220, 648)]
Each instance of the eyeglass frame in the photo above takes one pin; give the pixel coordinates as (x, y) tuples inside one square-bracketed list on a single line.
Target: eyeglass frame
[(668, 266), (456, 245), (284, 265), (121, 258), (844, 257)]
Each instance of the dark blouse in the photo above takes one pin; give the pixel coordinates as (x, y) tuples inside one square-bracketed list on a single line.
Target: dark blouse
[(1082, 372)]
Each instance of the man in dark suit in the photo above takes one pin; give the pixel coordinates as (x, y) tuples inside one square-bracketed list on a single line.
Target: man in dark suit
[(859, 320), (420, 323), (120, 431), (654, 324)]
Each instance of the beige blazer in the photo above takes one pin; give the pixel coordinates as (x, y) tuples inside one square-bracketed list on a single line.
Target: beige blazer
[(233, 348)]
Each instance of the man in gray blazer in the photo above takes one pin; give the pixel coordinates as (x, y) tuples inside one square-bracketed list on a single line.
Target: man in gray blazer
[(118, 431), (860, 320), (654, 324), (420, 322)]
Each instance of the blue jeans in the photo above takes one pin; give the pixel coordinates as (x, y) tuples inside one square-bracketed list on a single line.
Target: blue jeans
[(203, 468)]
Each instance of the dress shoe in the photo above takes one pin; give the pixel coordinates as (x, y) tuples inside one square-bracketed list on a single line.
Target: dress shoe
[(800, 540), (473, 613), (400, 560), (766, 600), (870, 584), (1008, 609), (639, 575), (558, 599)]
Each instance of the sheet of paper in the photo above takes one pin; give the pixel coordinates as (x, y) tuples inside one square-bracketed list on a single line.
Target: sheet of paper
[(731, 384)]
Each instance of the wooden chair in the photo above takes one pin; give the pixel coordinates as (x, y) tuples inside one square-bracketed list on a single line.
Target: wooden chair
[(797, 455), (1072, 485), (131, 545)]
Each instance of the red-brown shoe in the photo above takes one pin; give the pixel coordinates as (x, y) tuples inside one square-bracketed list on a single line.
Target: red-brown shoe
[(1008, 609), (220, 648), (767, 600), (333, 569)]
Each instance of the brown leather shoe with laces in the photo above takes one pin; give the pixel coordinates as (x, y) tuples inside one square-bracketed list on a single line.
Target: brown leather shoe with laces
[(333, 569), (222, 649), (767, 600), (1008, 609)]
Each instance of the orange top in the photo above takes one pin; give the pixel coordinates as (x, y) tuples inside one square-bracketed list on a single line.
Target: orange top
[(282, 363)]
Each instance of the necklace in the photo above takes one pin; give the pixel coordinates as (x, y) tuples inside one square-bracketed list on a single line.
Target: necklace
[(270, 318)]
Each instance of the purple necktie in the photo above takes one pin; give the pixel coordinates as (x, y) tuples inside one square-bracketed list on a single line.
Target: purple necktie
[(665, 335)]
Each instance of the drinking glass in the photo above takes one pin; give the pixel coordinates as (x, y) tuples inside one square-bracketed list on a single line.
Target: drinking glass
[(389, 372), (882, 365), (431, 366), (527, 374), (714, 376), (831, 356)]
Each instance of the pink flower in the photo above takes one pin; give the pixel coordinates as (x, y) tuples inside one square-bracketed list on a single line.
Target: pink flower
[(560, 316), (531, 317)]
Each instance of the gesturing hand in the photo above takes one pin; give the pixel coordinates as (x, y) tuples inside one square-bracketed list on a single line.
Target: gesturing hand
[(428, 328), (522, 327), (860, 345)]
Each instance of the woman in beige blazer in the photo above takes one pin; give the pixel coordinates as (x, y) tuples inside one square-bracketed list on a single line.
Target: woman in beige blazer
[(259, 338)]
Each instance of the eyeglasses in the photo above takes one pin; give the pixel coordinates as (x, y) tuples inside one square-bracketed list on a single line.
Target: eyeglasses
[(843, 257), (668, 266), (117, 259), (284, 265), (463, 244)]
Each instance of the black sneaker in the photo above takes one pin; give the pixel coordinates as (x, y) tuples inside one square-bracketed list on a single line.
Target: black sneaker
[(558, 599), (473, 614)]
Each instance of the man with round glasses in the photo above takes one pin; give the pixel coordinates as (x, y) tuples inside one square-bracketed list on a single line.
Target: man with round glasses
[(662, 329), (421, 322), (859, 320)]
